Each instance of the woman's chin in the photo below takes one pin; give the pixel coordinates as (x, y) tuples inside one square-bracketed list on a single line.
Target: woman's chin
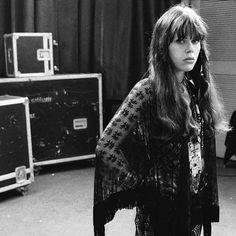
[(189, 68)]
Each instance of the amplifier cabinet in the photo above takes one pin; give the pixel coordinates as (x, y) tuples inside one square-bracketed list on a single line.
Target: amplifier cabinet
[(65, 114), (28, 54), (16, 164)]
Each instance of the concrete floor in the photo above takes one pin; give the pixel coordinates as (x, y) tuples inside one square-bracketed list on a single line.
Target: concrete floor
[(59, 203)]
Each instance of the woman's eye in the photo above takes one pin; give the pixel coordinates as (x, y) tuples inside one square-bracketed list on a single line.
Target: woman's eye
[(195, 41), (180, 40)]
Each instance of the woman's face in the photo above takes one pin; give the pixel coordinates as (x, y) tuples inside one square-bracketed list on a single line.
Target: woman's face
[(183, 53)]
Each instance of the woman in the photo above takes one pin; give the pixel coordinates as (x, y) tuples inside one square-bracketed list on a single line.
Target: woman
[(171, 117)]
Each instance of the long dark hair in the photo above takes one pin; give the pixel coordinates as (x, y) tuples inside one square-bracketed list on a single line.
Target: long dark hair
[(171, 97)]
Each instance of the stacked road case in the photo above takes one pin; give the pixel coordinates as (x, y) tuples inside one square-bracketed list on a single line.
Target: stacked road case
[(28, 54), (65, 114), (16, 164)]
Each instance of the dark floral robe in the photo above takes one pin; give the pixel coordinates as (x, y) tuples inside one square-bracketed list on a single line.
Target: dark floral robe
[(136, 168)]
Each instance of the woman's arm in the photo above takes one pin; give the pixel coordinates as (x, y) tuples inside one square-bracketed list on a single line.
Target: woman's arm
[(123, 122)]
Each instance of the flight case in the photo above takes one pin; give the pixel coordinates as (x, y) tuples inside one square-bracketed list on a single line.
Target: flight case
[(28, 54), (65, 114), (16, 164)]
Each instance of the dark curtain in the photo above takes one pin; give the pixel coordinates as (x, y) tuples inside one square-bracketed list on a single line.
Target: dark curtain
[(71, 23), (107, 36), (126, 33)]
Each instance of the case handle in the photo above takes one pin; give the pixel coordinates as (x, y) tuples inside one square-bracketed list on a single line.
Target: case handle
[(9, 55)]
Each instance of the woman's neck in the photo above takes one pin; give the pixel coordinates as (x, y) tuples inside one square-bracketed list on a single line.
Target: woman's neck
[(180, 76)]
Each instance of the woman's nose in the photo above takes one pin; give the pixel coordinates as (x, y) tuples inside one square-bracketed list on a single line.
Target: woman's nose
[(189, 46)]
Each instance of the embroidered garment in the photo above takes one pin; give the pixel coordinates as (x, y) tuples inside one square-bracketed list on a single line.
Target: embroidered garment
[(136, 168)]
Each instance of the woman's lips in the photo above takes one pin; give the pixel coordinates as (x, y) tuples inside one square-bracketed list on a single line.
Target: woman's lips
[(189, 59)]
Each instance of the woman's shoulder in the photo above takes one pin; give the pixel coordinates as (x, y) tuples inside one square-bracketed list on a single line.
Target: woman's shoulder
[(145, 82), (144, 86)]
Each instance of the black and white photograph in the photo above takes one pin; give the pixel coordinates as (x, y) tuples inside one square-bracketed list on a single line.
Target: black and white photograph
[(117, 117)]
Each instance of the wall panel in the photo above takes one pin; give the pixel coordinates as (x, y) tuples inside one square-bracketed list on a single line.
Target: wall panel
[(221, 18)]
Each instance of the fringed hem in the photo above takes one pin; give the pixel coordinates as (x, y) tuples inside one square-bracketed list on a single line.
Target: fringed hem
[(104, 212)]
